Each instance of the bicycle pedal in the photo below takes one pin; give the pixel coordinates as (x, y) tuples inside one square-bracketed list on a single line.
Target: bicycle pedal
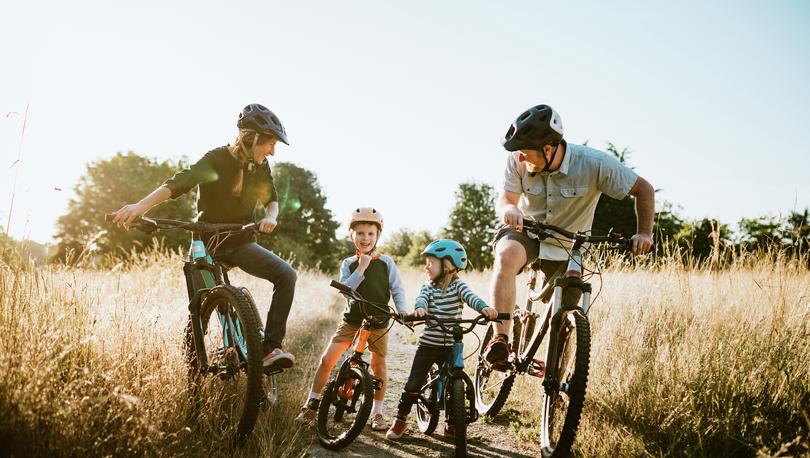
[(537, 368), (376, 383), (272, 370)]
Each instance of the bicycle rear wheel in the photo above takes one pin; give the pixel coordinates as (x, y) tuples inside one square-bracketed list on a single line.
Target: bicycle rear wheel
[(492, 387), (427, 414), (227, 405), (562, 402), (345, 407)]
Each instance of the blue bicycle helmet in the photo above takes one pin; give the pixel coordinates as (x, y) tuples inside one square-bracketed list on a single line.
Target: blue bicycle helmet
[(450, 249)]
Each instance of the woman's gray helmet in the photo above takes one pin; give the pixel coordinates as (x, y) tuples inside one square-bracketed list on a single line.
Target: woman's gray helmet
[(258, 118)]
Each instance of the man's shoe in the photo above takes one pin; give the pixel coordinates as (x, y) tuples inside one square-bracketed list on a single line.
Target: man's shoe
[(378, 423), (308, 413), (397, 429), (497, 352), (278, 358)]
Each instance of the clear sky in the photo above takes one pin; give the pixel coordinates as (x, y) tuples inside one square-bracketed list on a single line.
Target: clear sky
[(393, 104)]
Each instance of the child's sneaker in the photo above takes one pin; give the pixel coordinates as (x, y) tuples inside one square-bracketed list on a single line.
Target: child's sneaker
[(308, 413), (397, 429), (449, 430), (378, 423), (278, 358)]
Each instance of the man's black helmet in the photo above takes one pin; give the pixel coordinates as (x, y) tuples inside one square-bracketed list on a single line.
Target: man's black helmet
[(259, 118), (535, 128)]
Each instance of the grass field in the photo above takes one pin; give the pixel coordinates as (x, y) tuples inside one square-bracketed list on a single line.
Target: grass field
[(684, 362)]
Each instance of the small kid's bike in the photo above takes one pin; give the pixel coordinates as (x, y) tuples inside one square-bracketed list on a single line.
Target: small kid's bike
[(223, 336), (448, 387), (565, 371), (347, 398)]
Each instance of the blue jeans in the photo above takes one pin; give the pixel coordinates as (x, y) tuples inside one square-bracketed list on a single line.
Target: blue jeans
[(263, 263)]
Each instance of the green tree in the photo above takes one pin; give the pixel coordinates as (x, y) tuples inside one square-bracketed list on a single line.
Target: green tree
[(419, 241), (797, 230), (473, 221), (9, 253), (306, 228), (398, 244), (702, 238), (761, 233), (107, 186)]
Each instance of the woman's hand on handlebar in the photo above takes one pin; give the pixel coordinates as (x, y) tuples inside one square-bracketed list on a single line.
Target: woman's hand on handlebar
[(489, 312), (128, 213), (267, 225)]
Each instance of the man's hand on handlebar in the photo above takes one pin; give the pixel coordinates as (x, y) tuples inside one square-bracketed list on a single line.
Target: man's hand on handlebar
[(420, 312), (641, 243), (489, 312), (513, 217)]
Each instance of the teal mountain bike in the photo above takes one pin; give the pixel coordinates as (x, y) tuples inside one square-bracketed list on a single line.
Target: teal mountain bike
[(448, 387), (223, 336)]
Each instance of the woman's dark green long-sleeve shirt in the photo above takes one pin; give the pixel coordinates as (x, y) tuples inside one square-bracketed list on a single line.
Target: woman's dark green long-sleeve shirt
[(215, 173)]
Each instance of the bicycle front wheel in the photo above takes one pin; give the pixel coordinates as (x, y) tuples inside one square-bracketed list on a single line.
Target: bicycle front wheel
[(563, 401), (228, 404), (345, 407), (458, 409)]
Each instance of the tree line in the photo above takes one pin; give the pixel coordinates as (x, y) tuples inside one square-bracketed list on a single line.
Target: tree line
[(306, 234)]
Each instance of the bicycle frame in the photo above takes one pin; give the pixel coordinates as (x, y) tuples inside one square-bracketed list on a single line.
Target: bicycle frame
[(568, 290), (447, 374)]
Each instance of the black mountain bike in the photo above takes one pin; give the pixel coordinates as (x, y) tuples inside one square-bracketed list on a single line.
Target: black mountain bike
[(565, 320), (448, 387), (347, 398), (223, 336)]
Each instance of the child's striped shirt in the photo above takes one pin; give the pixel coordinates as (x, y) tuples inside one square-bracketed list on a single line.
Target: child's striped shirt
[(447, 305)]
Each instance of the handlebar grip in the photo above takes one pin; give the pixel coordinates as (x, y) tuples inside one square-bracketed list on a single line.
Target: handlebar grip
[(410, 318), (340, 287), (504, 316)]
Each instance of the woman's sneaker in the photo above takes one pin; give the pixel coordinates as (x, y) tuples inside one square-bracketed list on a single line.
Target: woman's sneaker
[(308, 413), (278, 358), (378, 423), (397, 429)]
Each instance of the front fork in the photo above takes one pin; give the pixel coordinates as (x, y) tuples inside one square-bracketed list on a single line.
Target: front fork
[(567, 291)]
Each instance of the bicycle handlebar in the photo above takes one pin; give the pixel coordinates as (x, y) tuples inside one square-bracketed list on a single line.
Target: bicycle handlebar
[(540, 229), (354, 295), (480, 319), (149, 224)]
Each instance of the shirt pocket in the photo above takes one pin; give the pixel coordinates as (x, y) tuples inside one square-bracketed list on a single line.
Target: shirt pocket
[(534, 189), (575, 191)]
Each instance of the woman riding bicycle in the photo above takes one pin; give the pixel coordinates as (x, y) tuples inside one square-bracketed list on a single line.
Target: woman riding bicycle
[(233, 180)]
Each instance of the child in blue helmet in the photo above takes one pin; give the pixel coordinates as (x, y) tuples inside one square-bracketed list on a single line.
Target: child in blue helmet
[(442, 295)]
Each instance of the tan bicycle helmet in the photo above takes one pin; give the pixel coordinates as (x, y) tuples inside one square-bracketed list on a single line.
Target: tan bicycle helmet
[(366, 215)]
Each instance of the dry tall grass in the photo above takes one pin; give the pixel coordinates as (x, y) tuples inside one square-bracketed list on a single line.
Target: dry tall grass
[(684, 362), (92, 363), (691, 363)]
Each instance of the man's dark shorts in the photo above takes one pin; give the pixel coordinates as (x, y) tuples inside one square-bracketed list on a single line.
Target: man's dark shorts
[(532, 247)]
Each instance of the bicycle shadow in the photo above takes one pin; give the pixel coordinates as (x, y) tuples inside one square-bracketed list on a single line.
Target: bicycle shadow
[(415, 444)]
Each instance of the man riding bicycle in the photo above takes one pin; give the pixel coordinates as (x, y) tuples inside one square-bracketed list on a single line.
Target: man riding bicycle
[(555, 182)]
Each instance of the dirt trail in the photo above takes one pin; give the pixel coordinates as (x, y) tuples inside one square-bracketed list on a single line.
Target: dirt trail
[(484, 439)]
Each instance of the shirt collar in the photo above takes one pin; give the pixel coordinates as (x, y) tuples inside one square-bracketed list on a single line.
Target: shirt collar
[(565, 162)]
